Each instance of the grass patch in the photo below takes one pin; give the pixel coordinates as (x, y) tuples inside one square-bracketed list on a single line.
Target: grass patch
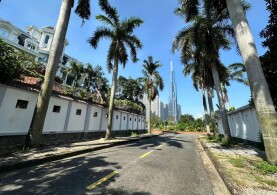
[(224, 142), (134, 134), (264, 167), (266, 181), (238, 162)]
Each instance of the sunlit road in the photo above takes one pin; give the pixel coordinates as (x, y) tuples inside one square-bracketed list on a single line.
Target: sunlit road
[(168, 164)]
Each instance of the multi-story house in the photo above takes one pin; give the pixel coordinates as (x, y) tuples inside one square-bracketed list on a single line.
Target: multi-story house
[(35, 41)]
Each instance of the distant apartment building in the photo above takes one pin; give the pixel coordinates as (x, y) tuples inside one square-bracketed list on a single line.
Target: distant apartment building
[(35, 42)]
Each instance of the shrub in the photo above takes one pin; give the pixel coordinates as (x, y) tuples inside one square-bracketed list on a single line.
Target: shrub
[(224, 142)]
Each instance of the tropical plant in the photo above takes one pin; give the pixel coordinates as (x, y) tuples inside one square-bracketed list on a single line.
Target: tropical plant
[(201, 80), (152, 83), (83, 10), (258, 85), (207, 33), (9, 63), (269, 59), (75, 70), (121, 36), (128, 106), (130, 89), (95, 82), (259, 88), (186, 118)]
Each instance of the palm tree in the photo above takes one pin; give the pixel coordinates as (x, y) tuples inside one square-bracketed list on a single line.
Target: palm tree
[(94, 81), (121, 35), (235, 72), (202, 40), (200, 80), (152, 82), (36, 127), (259, 88), (75, 70)]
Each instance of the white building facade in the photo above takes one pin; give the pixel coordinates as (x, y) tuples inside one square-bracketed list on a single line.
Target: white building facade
[(35, 42)]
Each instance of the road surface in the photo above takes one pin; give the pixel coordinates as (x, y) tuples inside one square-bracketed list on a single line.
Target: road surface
[(167, 164)]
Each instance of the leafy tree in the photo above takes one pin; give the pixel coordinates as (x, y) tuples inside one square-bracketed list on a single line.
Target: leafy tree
[(186, 118), (14, 63), (75, 70), (121, 36), (96, 83), (152, 83), (83, 10), (130, 89), (128, 106), (269, 59), (9, 63)]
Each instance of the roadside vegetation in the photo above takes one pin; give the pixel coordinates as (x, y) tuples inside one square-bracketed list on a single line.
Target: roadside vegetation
[(245, 171), (186, 123)]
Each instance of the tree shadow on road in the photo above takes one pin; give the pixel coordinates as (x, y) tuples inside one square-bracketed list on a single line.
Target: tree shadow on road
[(72, 176)]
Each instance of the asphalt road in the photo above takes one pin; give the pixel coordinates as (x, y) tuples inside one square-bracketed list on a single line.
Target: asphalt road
[(168, 164)]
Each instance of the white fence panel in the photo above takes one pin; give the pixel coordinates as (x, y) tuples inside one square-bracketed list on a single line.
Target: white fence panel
[(243, 124), (16, 110)]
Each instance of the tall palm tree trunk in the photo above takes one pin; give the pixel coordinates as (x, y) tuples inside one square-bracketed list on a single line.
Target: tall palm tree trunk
[(206, 111), (111, 104), (149, 115), (224, 118), (35, 131), (263, 102), (211, 108)]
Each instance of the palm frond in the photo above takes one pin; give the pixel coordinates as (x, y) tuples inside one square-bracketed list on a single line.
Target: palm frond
[(100, 33), (110, 11), (83, 9)]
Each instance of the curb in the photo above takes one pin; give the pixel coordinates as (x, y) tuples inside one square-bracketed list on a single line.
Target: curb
[(33, 162), (227, 180)]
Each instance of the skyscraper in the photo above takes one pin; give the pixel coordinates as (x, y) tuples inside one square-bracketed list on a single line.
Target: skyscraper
[(172, 106), (165, 111)]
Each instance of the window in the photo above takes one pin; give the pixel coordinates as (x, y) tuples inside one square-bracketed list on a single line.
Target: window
[(46, 40), (31, 46), (56, 109), (95, 114), (124, 118), (116, 117), (130, 119), (4, 33), (135, 119), (139, 120), (78, 112), (22, 104)]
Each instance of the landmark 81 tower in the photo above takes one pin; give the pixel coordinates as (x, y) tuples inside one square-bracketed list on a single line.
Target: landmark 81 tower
[(172, 106)]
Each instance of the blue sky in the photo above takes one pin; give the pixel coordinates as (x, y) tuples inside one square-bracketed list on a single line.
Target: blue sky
[(156, 33)]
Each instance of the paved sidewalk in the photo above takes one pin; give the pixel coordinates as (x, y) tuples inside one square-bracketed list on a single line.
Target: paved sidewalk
[(20, 158)]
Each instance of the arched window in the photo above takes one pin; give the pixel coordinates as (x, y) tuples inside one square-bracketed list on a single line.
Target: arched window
[(46, 40), (4, 33)]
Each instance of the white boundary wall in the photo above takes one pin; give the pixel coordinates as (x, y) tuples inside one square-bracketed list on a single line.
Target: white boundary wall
[(68, 116), (243, 124)]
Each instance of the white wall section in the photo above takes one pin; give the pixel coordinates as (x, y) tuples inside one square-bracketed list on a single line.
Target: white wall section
[(64, 115)]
